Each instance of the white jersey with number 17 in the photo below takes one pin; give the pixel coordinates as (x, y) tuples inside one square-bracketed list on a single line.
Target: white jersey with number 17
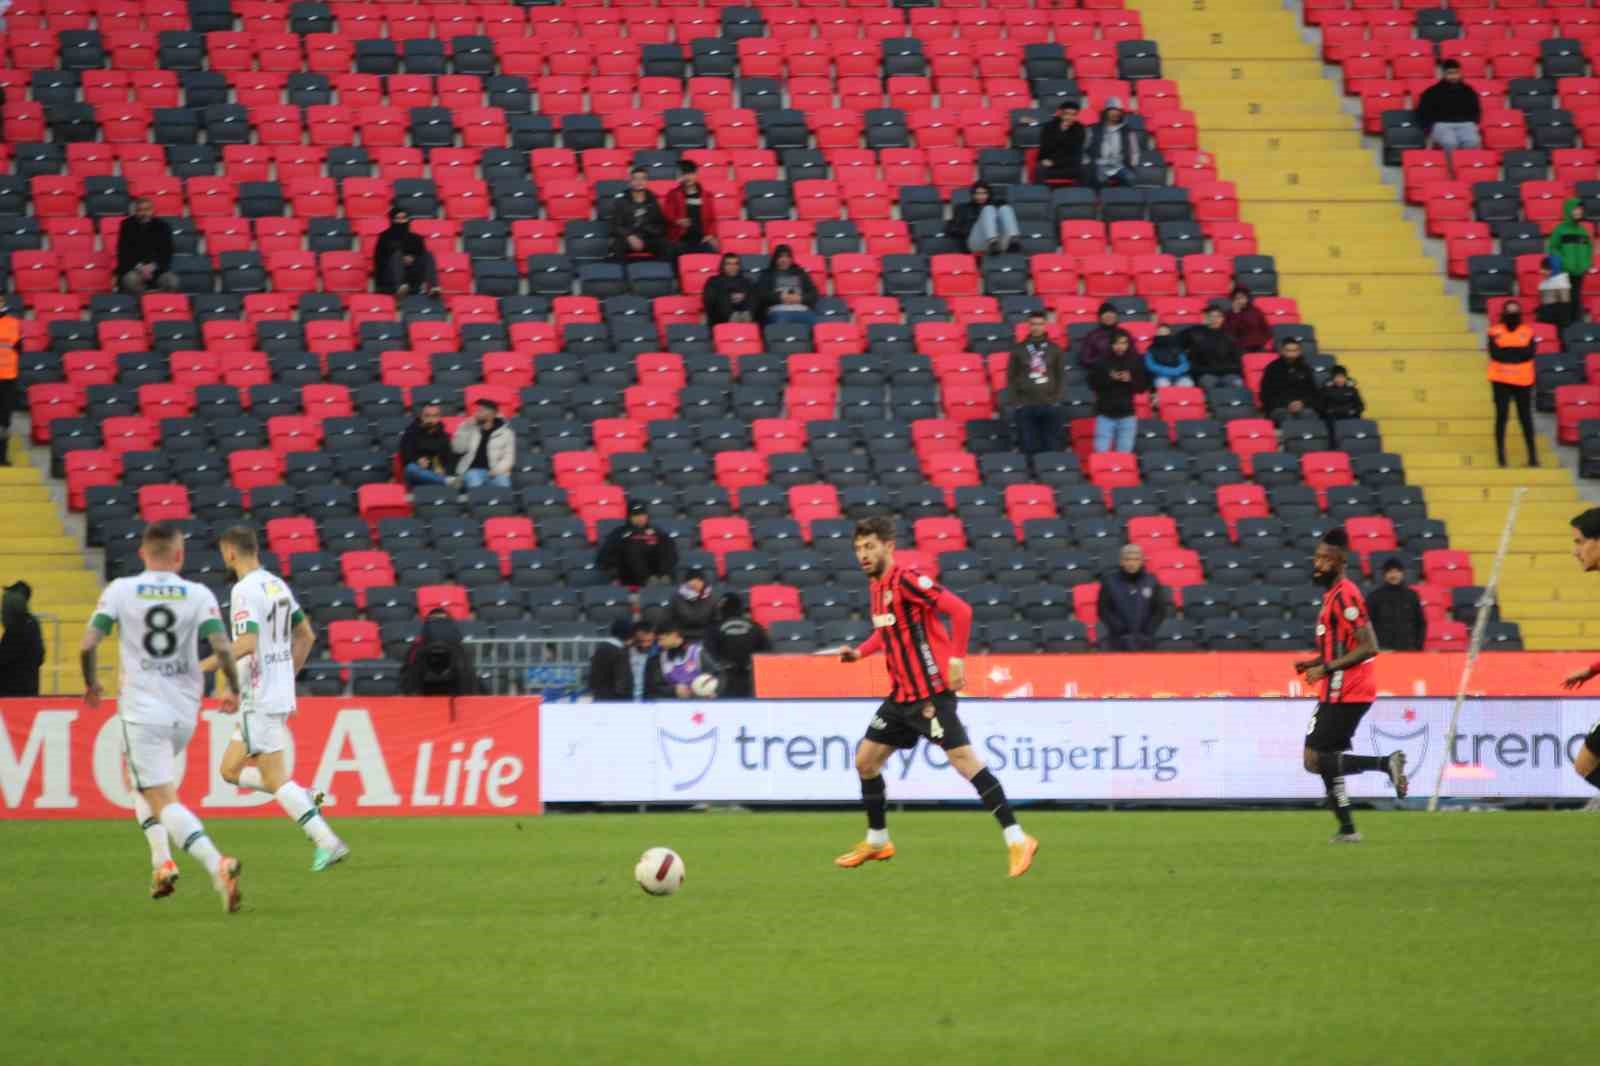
[(161, 618), (263, 604)]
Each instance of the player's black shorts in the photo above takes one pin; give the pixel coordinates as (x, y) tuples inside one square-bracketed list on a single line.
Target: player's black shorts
[(901, 725), (1592, 741), (1334, 725)]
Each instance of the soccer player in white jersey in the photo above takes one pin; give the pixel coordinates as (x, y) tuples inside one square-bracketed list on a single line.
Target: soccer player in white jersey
[(271, 639), (161, 618)]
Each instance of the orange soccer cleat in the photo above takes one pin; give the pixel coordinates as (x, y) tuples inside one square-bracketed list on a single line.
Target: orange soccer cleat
[(226, 882), (1022, 855), (864, 852), (163, 880)]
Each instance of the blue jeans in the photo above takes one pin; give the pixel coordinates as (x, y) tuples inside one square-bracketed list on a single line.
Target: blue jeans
[(1121, 176), (1114, 434), (994, 223), (1040, 428), (421, 475), (477, 478)]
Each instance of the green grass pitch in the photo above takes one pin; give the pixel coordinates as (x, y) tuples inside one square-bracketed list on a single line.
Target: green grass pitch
[(1148, 937)]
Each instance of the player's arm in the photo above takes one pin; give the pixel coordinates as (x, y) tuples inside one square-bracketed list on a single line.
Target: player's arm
[(1364, 648), (959, 611), (1577, 678), (213, 631), (871, 646), (98, 629), (302, 640)]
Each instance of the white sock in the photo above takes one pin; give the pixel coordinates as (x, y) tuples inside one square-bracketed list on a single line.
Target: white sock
[(1014, 834), (877, 837), (250, 778), (190, 835), (297, 805), (154, 835)]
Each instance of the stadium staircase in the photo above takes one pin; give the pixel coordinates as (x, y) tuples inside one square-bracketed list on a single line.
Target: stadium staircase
[(37, 548), (1358, 269)]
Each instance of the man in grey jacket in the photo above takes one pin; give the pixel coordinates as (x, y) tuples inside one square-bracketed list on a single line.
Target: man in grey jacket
[(1034, 384), (485, 447), (1132, 604)]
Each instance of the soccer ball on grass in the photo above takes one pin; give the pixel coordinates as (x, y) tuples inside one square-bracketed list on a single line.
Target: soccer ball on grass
[(659, 871)]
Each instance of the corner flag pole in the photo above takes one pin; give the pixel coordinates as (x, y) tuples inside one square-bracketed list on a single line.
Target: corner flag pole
[(1485, 607)]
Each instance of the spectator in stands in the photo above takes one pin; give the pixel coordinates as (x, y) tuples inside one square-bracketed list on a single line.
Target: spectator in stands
[(144, 251), (679, 661), (729, 296), (1245, 323), (486, 448), (1511, 373), (1164, 361), (789, 309), (1096, 344), (691, 213), (734, 643), (1449, 110), (1572, 243), (22, 646), (438, 663), (1061, 147), (1340, 400), (638, 224), (983, 226), (1396, 611), (1116, 382), (1555, 294), (1288, 385), (10, 371), (637, 553), (1035, 381), (612, 675), (783, 272), (1112, 148), (401, 262), (1132, 604), (694, 608), (426, 457), (1214, 356)]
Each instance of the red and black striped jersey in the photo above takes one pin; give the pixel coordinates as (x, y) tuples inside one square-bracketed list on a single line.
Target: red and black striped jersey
[(915, 640), (1344, 613)]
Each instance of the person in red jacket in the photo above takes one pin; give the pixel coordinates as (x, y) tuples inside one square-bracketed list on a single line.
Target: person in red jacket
[(905, 609), (1346, 678), (691, 213), (1245, 323)]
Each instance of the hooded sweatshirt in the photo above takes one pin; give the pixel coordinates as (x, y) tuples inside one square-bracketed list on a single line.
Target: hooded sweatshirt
[(1572, 242), (1248, 327), (1096, 344), (1110, 147), (1165, 358)]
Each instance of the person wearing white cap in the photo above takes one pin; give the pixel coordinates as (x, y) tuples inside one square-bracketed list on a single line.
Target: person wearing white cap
[(1112, 147)]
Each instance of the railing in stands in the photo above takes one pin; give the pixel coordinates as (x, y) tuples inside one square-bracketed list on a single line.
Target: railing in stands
[(555, 668)]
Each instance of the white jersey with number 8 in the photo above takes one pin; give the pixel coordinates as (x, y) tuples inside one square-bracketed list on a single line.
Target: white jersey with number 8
[(161, 618), (263, 604)]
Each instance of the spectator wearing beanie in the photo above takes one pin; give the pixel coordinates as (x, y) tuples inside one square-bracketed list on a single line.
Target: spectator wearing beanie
[(1245, 323), (1288, 386), (1511, 349), (1112, 147), (1449, 111), (1396, 611), (1096, 344)]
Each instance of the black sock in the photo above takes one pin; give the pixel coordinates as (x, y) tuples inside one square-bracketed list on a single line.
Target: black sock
[(875, 799), (1593, 778), (994, 797), (1359, 764), (1338, 802)]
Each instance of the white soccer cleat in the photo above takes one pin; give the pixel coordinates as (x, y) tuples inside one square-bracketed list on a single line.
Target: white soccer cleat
[(1345, 838)]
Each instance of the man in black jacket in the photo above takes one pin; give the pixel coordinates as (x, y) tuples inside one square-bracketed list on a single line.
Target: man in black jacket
[(638, 225), (144, 251), (425, 455), (734, 643), (1132, 604), (610, 668), (1117, 383), (1215, 358), (1288, 385), (402, 264), (637, 553), (1396, 611), (22, 646), (1449, 110), (438, 663), (1061, 147)]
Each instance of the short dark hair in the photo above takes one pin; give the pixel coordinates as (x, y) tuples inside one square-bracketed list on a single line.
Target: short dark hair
[(395, 212), (1337, 538), (878, 525), (1036, 313), (1450, 64), (1588, 523), (688, 166), (484, 401), (162, 537), (241, 539), (1063, 104), (639, 170)]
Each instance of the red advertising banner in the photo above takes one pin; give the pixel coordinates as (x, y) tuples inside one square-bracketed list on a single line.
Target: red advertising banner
[(1172, 675), (475, 755)]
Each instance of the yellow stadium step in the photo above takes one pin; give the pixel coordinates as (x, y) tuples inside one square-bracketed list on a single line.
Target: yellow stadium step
[(1356, 265)]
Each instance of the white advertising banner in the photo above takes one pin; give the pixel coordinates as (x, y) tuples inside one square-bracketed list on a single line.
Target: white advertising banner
[(802, 751)]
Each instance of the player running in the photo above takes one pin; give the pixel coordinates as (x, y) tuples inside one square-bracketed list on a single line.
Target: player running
[(922, 700), (1586, 549), (271, 640), (1346, 646), (162, 618)]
